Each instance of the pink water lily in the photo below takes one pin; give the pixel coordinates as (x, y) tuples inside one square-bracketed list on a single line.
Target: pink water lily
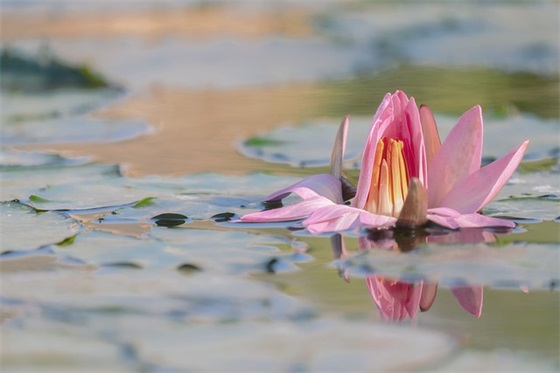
[(407, 176)]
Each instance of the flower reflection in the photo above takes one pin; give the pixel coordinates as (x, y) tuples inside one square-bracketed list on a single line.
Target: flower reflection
[(398, 299)]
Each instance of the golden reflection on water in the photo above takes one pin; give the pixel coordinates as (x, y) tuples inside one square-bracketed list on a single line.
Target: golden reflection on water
[(196, 130)]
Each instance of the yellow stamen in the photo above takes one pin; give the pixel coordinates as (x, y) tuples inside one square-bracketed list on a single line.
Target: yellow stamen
[(396, 178), (389, 179), (384, 205)]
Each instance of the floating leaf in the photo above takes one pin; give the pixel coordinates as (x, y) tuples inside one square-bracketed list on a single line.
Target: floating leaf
[(37, 199), (262, 141), (67, 241), (23, 228), (514, 265), (148, 201)]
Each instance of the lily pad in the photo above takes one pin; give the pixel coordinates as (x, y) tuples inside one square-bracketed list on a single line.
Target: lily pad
[(522, 197), (72, 129), (12, 160), (18, 107), (511, 266), (310, 144), (22, 228), (21, 182)]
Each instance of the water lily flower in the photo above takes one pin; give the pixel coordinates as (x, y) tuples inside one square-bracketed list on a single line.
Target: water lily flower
[(407, 176)]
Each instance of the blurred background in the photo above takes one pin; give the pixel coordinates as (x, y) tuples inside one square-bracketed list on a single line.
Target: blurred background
[(207, 74)]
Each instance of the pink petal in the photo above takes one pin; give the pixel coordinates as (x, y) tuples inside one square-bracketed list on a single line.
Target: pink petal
[(478, 189), (297, 211), (450, 218), (395, 300), (337, 155), (459, 156), (336, 218), (322, 184), (431, 134), (428, 296), (417, 160), (470, 298), (381, 116)]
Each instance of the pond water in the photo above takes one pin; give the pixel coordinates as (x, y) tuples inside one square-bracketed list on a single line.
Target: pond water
[(120, 189)]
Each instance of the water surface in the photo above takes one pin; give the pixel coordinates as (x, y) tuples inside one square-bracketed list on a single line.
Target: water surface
[(118, 250)]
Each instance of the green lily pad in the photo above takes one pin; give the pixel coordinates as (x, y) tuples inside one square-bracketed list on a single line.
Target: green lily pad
[(20, 107), (22, 228), (72, 129), (11, 160), (513, 266), (310, 144)]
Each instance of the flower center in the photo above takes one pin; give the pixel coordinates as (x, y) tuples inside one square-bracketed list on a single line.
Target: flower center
[(389, 180)]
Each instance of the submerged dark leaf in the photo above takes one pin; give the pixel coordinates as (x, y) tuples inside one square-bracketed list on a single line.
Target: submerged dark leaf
[(189, 268), (170, 216), (222, 217), (270, 265), (123, 265), (170, 219)]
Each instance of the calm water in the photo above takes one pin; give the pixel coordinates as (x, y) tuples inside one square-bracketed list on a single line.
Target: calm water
[(118, 253)]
